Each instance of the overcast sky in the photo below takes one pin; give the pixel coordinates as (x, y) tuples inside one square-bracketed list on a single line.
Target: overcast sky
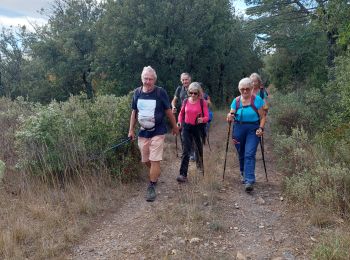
[(24, 12)]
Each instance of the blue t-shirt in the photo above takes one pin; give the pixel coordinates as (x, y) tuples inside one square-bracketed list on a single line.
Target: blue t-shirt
[(150, 109), (262, 93), (247, 113)]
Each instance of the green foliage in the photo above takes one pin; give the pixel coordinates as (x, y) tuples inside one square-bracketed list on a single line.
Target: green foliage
[(313, 178), (65, 139), (338, 91), (301, 38), (66, 47), (294, 151), (102, 47), (308, 109), (10, 114), (200, 37)]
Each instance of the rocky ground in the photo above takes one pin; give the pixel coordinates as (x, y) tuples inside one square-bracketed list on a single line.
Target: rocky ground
[(206, 218)]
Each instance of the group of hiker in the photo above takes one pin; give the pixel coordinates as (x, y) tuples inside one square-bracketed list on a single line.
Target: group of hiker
[(191, 109)]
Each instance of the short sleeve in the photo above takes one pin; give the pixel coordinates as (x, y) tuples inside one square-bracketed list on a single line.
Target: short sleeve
[(134, 101), (233, 104), (177, 92), (165, 99)]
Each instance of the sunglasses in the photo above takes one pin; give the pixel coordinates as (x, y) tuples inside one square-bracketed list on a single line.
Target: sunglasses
[(193, 93), (245, 89)]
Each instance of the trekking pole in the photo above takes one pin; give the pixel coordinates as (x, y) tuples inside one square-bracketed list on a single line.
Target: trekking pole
[(176, 145), (113, 147), (262, 153), (208, 138), (200, 157), (227, 141)]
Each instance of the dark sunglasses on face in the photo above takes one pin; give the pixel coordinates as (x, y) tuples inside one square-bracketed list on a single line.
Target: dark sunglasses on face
[(245, 89), (193, 93)]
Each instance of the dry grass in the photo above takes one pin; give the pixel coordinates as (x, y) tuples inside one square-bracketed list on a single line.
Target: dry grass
[(41, 222), (195, 214)]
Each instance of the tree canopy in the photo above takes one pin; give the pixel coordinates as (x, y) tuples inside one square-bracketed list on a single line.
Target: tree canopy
[(101, 48)]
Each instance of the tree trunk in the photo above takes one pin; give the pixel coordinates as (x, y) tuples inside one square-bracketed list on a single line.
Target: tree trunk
[(88, 85)]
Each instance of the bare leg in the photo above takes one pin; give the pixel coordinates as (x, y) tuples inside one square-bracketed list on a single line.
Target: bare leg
[(154, 172), (148, 164)]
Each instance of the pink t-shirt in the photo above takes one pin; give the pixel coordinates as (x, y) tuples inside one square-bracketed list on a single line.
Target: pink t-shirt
[(192, 111)]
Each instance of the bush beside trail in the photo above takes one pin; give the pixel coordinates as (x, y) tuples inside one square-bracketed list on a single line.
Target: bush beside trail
[(65, 139), (63, 142), (312, 143)]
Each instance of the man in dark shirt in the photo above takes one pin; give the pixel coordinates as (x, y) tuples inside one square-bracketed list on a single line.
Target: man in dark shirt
[(179, 96), (181, 92), (150, 104)]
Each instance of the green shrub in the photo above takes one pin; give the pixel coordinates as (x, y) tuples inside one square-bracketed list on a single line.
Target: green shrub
[(67, 138), (298, 109), (10, 114), (294, 151)]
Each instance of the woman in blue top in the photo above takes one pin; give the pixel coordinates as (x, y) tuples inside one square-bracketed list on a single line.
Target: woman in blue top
[(249, 121)]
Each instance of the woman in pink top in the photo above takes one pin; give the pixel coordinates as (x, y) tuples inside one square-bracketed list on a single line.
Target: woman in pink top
[(192, 119)]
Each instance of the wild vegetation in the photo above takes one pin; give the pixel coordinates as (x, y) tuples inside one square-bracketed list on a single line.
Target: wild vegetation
[(65, 101), (309, 68)]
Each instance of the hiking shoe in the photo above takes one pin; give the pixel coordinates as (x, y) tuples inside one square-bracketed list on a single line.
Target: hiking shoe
[(151, 193), (181, 178), (192, 158), (248, 187)]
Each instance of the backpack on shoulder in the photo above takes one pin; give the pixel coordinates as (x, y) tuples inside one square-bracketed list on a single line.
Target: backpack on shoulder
[(252, 104)]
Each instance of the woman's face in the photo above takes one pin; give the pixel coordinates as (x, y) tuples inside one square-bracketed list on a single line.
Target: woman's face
[(245, 91), (255, 82), (194, 94)]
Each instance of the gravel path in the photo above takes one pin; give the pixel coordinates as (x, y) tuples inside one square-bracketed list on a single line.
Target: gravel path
[(206, 218)]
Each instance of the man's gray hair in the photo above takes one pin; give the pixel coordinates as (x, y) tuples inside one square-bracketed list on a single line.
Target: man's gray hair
[(245, 82), (149, 69), (185, 74)]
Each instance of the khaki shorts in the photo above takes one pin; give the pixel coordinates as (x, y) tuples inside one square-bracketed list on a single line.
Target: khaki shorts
[(151, 148)]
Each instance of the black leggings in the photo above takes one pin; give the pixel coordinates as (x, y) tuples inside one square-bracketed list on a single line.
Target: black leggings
[(189, 134)]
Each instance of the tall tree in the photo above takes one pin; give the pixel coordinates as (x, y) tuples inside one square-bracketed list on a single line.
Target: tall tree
[(13, 51), (305, 30), (66, 45), (201, 37)]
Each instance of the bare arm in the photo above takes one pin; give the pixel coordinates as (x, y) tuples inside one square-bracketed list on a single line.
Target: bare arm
[(262, 115), (172, 120), (132, 125), (173, 104)]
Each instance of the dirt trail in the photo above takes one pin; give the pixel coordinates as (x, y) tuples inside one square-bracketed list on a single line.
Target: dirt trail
[(205, 218)]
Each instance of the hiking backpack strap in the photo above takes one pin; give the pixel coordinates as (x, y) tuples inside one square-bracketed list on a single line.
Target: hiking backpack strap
[(184, 105), (238, 102), (252, 104), (201, 100)]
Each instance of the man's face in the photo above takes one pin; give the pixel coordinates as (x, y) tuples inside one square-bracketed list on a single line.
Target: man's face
[(148, 79), (185, 80)]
